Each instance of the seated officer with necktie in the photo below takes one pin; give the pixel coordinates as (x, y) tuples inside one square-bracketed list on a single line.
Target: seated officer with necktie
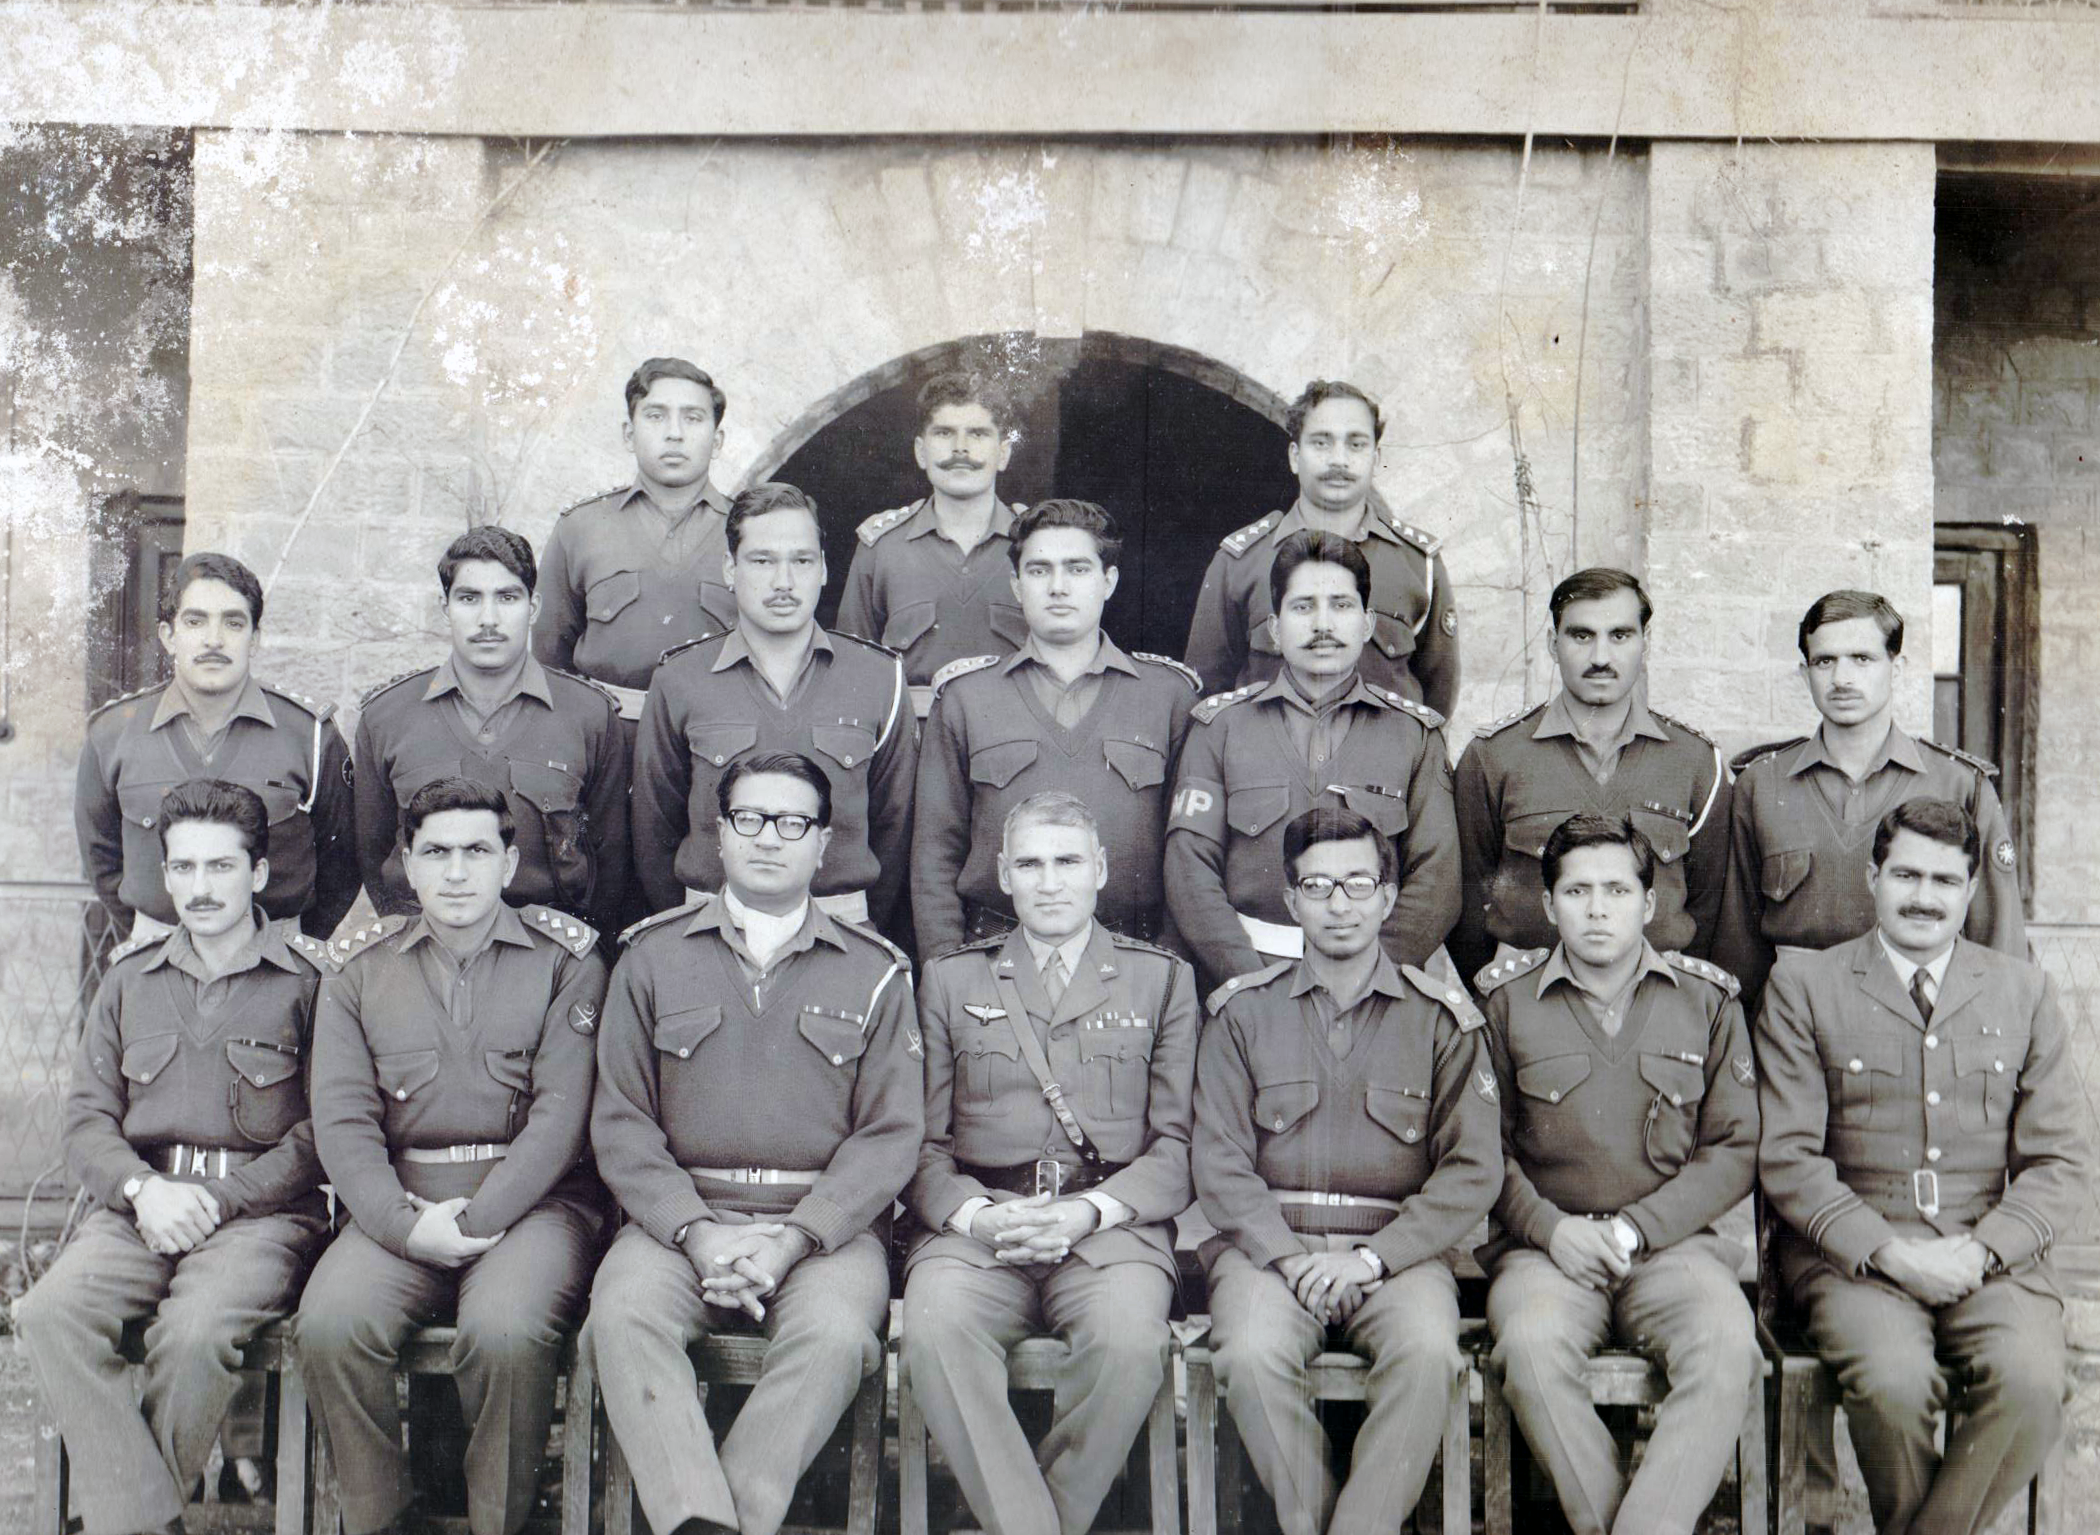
[(1046, 1210), (1923, 1144)]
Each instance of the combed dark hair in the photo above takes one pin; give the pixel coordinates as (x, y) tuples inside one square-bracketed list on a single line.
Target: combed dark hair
[(1835, 607), (442, 794), (1579, 831), (1318, 393), (1086, 516), (1309, 546), (787, 765), (766, 496), (513, 551), (222, 804), (964, 389), (208, 565), (1594, 584), (1940, 819), (641, 378), (1327, 823)]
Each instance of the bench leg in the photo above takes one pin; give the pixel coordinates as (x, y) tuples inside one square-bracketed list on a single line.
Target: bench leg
[(1159, 1445), (295, 1450), (2045, 1499), (1495, 1456), (578, 1430), (327, 1493), (619, 1489), (1753, 1514), (1232, 1473), (1797, 1404), (864, 1476), (51, 1478), (911, 1457), (1203, 1442), (1458, 1460)]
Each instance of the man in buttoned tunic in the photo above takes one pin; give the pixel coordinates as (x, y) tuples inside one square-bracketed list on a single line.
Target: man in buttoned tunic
[(212, 719), (1923, 1143), (551, 741), (1805, 811), (1413, 648), (187, 1126), (1069, 711), (758, 1110), (1319, 733), (929, 580), (632, 572), (777, 682), (1025, 1230), (1594, 748), (1346, 1141), (451, 1090), (1629, 1129)]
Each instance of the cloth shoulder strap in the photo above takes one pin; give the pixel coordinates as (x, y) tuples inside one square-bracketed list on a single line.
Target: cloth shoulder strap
[(1039, 1067)]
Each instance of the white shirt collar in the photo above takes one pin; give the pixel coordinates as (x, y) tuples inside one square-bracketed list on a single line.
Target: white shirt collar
[(765, 935), (1072, 948), (1906, 968)]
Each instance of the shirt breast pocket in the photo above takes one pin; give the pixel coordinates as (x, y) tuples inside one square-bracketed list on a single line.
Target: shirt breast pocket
[(146, 1058), (1117, 1060), (839, 1037), (1667, 834), (718, 745), (140, 804), (1393, 637), (1253, 810), (1137, 763), (1385, 808), (1672, 1130), (1987, 1079), (1856, 1069), (1008, 623), (512, 1071), (987, 1064), (1279, 1106), (848, 745), (1001, 762), (1781, 874), (1525, 835), (1402, 1111), (267, 1101), (610, 596), (404, 1073), (908, 625), (679, 1033), (1554, 1077)]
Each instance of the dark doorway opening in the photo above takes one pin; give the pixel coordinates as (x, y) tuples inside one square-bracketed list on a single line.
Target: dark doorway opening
[(1181, 449)]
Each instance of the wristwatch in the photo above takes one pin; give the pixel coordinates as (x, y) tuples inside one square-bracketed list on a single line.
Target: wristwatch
[(1377, 1264), (133, 1185)]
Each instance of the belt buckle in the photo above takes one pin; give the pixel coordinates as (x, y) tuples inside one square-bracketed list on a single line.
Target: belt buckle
[(1925, 1191), (200, 1162), (1049, 1176), (754, 1174), (1333, 1200)]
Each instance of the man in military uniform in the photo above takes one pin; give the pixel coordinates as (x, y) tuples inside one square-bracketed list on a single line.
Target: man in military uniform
[(929, 579), (187, 1125), (1318, 733), (451, 1092), (1413, 651), (778, 682), (1923, 1144), (551, 742), (214, 720), (1595, 748), (1068, 711), (1805, 810), (1040, 1213), (1629, 1130), (634, 571), (758, 1109), (1346, 1140)]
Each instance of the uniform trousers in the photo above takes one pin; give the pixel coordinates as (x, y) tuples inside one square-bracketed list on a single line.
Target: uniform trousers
[(823, 1325), (2007, 1344), (139, 1457), (511, 1307), (959, 1322), (1683, 1305), (1264, 1340)]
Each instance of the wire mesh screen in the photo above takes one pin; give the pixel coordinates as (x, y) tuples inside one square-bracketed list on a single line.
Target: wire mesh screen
[(52, 940)]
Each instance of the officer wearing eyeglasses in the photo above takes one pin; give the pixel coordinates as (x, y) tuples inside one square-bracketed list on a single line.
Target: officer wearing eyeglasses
[(1347, 1138), (759, 1110)]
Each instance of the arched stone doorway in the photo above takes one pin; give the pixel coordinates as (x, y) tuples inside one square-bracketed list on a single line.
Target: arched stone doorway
[(1181, 448)]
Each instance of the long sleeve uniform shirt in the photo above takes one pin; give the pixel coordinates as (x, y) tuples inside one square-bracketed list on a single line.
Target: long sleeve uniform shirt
[(811, 1063), (1522, 776), (1657, 1122), (1801, 839), (847, 712), (415, 1047), (1870, 1110), (555, 748), (1409, 1113), (170, 1056), (994, 738), (934, 602), (1414, 646), (1255, 759), (284, 747)]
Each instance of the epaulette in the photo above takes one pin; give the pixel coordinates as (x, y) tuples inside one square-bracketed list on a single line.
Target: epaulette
[(1706, 970), (125, 698), (135, 944), (961, 667), (1137, 945), (700, 639), (313, 706), (1451, 994), (1508, 968), (1237, 544), (1422, 712), (1507, 720), (866, 931), (365, 699), (1743, 759), (1423, 540), (1690, 730), (577, 937), (315, 951), (971, 946), (865, 642), (874, 527), (347, 948), (629, 935), (600, 496), (589, 682), (1188, 672), (1218, 703), (1987, 768), (1215, 1003)]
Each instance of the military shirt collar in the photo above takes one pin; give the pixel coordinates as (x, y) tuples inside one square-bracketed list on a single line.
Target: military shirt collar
[(532, 682), (1376, 522), (1896, 747), (1108, 657), (736, 648), (923, 520), (715, 917), (1281, 688), (265, 945), (1906, 967), (251, 705), (1385, 980), (1557, 719), (1556, 969), (711, 500), (1073, 949), (508, 927)]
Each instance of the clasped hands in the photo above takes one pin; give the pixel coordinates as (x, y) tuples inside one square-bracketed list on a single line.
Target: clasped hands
[(1039, 1229), (740, 1265), (1329, 1285), (174, 1217), (1936, 1271)]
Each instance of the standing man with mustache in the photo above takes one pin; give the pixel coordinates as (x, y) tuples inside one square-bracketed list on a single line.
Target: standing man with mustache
[(929, 579), (1413, 650), (1595, 748), (550, 741)]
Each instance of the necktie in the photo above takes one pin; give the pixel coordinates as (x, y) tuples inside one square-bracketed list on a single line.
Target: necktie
[(1054, 976), (1921, 992)]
